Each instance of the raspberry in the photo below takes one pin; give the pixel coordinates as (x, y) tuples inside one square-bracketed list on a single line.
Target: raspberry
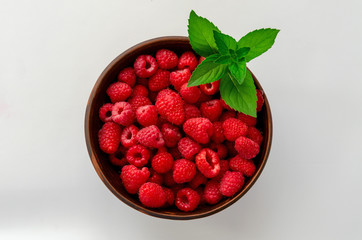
[(128, 76), (170, 106), (183, 171), (246, 147), (162, 149), (198, 180), (220, 149), (170, 196), (208, 163), (155, 177), (133, 178), (218, 136), (122, 113), (188, 60), (139, 101), (199, 129), (234, 128), (162, 162), (187, 200), (119, 91), (109, 137), (210, 88), (191, 112), (255, 135), (204, 97), (152, 195), (153, 96), (166, 59), (179, 78), (142, 81), (159, 81), (260, 101), (118, 158), (231, 149), (150, 137), (201, 59), (139, 90), (188, 148), (211, 109), (171, 134), (160, 121), (128, 137), (190, 94), (242, 165), (227, 115), (248, 120), (138, 155), (168, 179), (231, 183), (145, 66), (175, 153), (224, 105), (105, 112), (200, 191), (224, 167), (147, 115), (212, 194)]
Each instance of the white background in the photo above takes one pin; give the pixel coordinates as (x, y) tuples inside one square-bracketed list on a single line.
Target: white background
[(52, 52)]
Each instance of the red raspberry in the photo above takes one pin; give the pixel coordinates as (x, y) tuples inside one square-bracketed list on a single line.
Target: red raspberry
[(139, 90), (159, 81), (212, 194), (224, 105), (211, 109), (128, 137), (170, 106), (234, 128), (218, 136), (166, 59), (231, 149), (143, 82), (133, 178), (224, 167), (139, 101), (188, 60), (260, 101), (147, 115), (109, 137), (208, 163), (145, 66), (122, 113), (161, 120), (119, 91), (191, 112), (245, 166), (200, 191), (175, 153), (138, 155), (231, 183), (204, 98), (248, 120), (171, 134), (227, 115), (128, 76), (220, 149), (210, 88), (162, 162), (200, 129), (105, 112), (188, 148), (162, 149), (198, 180), (255, 135), (170, 197), (153, 96), (183, 171), (152, 195), (155, 177), (201, 59), (168, 179), (187, 200), (190, 94), (246, 147), (118, 158), (179, 78), (150, 137)]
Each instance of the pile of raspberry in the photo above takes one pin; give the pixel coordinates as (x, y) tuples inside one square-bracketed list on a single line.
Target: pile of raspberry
[(173, 144)]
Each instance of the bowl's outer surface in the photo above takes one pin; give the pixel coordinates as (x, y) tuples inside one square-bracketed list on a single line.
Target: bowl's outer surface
[(110, 176)]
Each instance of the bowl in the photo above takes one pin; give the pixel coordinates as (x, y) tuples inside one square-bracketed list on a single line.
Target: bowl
[(110, 176)]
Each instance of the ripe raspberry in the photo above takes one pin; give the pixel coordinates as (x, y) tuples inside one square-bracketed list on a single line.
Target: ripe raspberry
[(160, 121), (220, 149), (199, 129), (139, 101), (190, 94), (187, 200), (139, 90), (170, 106), (200, 191), (246, 147), (191, 112), (188, 60), (224, 105), (145, 66), (231, 183), (201, 59), (152, 96), (118, 158), (179, 78), (218, 136), (152, 195), (105, 112), (255, 135), (109, 137), (133, 178), (166, 59), (138, 155), (248, 120), (224, 167), (150, 137), (168, 179), (142, 81), (198, 180), (231, 149), (212, 194), (211, 109), (227, 115), (128, 76), (128, 137), (188, 148), (183, 171), (155, 177), (162, 162), (147, 115), (175, 153), (204, 98), (245, 166), (171, 134), (234, 128), (159, 81), (210, 88), (162, 149), (119, 91), (260, 101), (208, 163), (170, 197), (122, 113)]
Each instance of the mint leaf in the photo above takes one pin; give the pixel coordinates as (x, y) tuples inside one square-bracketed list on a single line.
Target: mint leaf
[(259, 41), (224, 42), (201, 35), (223, 59), (242, 52), (242, 98), (238, 70)]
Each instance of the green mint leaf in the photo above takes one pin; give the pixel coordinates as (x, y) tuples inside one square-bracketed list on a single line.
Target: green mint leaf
[(201, 35), (241, 98), (259, 41), (238, 70), (223, 59), (242, 52), (224, 42)]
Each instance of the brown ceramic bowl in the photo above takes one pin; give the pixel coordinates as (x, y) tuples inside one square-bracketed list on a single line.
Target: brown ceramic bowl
[(110, 175)]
